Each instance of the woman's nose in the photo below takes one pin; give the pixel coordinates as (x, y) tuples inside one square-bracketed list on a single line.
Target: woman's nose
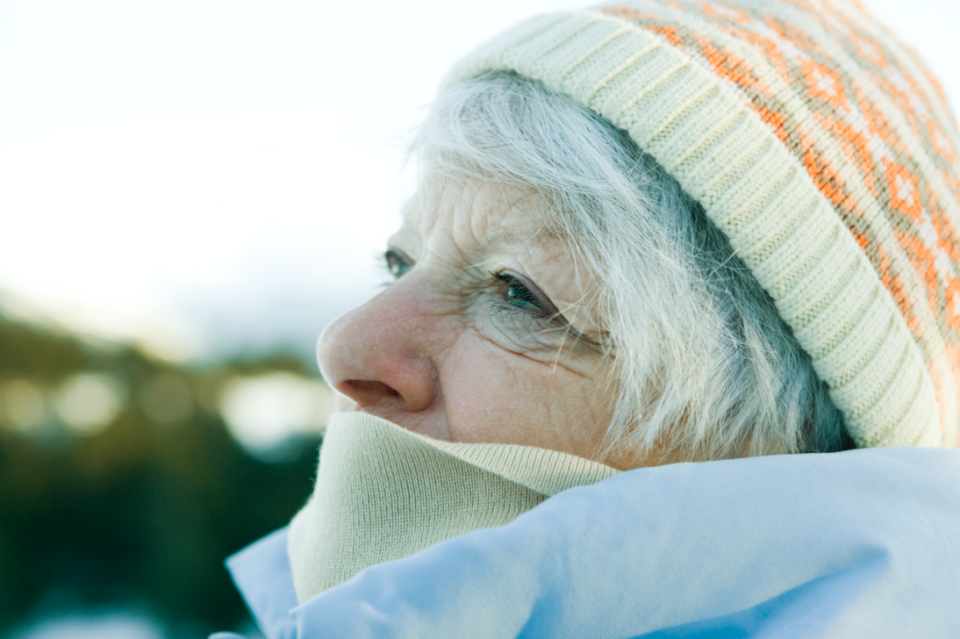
[(377, 354)]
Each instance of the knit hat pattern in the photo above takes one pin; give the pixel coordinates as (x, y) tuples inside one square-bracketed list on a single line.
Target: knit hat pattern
[(821, 146)]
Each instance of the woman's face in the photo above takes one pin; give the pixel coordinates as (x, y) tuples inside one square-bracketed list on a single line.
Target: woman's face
[(486, 334)]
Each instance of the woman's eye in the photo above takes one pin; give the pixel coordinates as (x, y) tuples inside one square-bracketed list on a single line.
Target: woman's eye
[(397, 263), (518, 295)]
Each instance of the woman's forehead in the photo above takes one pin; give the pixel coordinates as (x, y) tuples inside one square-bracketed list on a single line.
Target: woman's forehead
[(479, 214)]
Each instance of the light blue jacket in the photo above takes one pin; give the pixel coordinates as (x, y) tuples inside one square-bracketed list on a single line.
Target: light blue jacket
[(864, 543)]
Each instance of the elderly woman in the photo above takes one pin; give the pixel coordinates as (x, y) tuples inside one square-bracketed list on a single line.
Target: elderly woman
[(714, 232)]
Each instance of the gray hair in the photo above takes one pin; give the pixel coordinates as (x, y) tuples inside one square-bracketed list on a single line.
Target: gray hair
[(704, 366)]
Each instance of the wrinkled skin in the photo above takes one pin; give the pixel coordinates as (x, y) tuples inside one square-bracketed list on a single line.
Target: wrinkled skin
[(453, 352)]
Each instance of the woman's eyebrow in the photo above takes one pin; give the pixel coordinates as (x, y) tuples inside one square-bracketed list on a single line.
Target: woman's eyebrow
[(405, 238), (502, 238), (511, 237)]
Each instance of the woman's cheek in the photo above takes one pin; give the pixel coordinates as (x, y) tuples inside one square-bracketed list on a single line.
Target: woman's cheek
[(493, 395), (521, 336)]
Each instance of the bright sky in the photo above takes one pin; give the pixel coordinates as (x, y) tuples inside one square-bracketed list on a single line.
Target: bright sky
[(204, 174)]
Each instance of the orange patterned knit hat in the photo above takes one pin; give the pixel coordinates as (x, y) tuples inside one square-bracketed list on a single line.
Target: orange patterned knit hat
[(826, 152)]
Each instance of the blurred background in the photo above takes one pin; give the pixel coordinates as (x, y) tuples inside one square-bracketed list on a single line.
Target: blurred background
[(190, 190)]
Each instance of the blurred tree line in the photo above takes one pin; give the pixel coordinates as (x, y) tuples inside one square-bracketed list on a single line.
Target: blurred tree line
[(138, 512)]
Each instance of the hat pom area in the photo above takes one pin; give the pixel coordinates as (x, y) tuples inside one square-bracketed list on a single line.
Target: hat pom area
[(825, 151)]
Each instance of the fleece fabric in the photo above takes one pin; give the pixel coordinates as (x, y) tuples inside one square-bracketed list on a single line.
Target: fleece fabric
[(383, 493)]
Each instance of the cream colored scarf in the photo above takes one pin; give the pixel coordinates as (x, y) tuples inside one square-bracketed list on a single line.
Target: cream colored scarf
[(384, 493)]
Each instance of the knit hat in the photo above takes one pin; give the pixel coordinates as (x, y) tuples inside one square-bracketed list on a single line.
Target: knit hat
[(825, 151)]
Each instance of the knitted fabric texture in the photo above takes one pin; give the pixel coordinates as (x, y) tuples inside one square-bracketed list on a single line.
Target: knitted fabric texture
[(385, 493), (825, 151)]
